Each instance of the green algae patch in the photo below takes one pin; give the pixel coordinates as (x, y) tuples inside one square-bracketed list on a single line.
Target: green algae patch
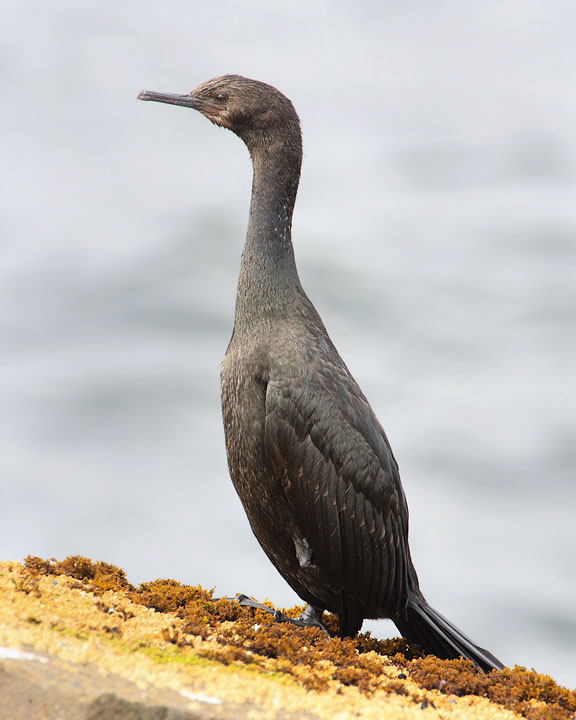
[(69, 632), (169, 655), (224, 633)]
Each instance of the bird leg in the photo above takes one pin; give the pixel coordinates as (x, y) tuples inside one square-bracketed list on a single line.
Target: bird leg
[(311, 617)]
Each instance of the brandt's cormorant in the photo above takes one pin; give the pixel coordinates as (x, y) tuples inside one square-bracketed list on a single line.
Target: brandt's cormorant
[(308, 458)]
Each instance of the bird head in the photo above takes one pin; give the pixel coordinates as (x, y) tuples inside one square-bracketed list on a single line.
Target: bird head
[(253, 110)]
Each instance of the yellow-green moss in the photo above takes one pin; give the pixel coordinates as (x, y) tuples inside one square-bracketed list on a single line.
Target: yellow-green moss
[(519, 689), (251, 639)]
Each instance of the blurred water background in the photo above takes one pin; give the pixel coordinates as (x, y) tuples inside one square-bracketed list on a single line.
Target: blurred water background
[(435, 232)]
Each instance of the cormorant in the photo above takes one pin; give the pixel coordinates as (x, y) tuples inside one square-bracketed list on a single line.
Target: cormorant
[(307, 456)]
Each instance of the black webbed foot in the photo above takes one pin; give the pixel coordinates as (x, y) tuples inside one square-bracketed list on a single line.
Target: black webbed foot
[(246, 601), (311, 617)]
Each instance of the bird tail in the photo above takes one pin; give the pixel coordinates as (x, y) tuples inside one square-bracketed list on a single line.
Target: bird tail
[(437, 635)]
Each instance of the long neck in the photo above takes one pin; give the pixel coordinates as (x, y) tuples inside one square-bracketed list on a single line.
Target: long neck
[(268, 276)]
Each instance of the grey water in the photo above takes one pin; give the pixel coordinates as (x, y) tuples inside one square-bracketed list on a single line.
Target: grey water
[(435, 230)]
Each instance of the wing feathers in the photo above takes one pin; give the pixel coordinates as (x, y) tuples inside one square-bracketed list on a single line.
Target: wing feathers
[(344, 496)]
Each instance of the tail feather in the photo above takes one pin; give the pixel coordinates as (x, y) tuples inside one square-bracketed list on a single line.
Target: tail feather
[(437, 635)]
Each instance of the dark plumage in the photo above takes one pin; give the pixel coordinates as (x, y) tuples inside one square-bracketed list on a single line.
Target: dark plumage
[(308, 458)]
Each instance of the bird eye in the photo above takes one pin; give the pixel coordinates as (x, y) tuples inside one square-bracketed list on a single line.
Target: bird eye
[(222, 97)]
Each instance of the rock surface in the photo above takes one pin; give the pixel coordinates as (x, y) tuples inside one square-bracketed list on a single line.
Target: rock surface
[(72, 649)]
